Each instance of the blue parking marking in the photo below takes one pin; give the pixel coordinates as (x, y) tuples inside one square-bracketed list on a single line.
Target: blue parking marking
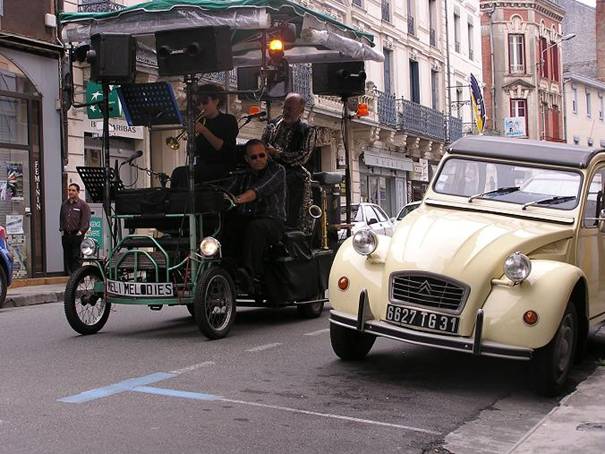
[(116, 388), (175, 393)]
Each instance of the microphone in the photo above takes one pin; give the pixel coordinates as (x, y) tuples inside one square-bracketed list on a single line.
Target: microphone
[(261, 114), (135, 155)]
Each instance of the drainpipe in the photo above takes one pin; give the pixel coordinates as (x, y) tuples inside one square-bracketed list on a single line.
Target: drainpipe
[(565, 109), (448, 97), (493, 71)]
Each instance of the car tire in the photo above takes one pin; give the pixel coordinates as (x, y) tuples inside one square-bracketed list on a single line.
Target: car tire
[(3, 285), (348, 344), (86, 313), (550, 365), (214, 303), (311, 310)]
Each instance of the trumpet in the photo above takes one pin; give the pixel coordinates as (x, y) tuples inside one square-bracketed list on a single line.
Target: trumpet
[(175, 142)]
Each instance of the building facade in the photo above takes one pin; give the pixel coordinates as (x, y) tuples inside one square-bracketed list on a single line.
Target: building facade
[(522, 69), (30, 135)]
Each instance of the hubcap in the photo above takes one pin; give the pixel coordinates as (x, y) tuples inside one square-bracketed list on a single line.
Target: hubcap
[(564, 345)]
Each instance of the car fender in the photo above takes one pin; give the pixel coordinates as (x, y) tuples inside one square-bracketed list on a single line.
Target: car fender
[(363, 272), (546, 291)]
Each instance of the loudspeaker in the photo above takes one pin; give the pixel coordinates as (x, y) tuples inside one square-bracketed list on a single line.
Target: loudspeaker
[(339, 79), (194, 50), (112, 58), (278, 82)]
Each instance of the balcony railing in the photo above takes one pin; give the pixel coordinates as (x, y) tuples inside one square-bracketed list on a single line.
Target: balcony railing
[(421, 120), (386, 105), (386, 10), (358, 3), (301, 82), (411, 28), (455, 128), (433, 37), (98, 6)]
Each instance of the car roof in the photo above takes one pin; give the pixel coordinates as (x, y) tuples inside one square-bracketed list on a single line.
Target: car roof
[(525, 150)]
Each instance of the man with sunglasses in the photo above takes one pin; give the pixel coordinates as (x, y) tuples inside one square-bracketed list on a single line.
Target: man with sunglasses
[(258, 220)]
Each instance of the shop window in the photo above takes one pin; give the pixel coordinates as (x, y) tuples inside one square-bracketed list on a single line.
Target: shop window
[(13, 121)]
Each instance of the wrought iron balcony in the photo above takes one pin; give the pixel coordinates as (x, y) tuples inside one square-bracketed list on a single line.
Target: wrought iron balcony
[(420, 120), (411, 28), (386, 10), (98, 6), (219, 78), (301, 82), (386, 105), (433, 37), (358, 3), (455, 128)]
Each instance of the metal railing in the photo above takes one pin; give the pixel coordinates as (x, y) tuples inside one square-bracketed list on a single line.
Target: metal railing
[(358, 3), (455, 128), (98, 6), (421, 120), (301, 82), (219, 77), (386, 10), (411, 28), (386, 105), (433, 37)]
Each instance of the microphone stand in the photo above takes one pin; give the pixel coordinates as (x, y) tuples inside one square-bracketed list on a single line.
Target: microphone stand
[(160, 175)]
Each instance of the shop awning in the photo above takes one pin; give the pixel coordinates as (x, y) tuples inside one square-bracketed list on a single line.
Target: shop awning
[(320, 38)]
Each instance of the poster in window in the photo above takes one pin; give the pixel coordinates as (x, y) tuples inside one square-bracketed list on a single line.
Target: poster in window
[(514, 127), (14, 178), (4, 195)]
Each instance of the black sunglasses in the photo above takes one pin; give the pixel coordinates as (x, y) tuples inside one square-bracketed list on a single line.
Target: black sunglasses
[(254, 157)]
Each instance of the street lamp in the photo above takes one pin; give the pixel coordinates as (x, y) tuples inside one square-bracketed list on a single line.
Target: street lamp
[(563, 38)]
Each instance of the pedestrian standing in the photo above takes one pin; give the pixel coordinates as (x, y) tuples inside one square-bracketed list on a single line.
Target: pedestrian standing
[(74, 222)]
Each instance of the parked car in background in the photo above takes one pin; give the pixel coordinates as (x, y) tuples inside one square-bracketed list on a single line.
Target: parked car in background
[(6, 266), (405, 210), (364, 215)]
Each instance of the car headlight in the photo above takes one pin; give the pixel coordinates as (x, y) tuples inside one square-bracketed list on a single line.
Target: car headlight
[(209, 247), (517, 267), (365, 241), (88, 247)]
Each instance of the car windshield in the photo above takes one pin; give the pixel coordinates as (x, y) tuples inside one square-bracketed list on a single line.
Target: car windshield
[(513, 183)]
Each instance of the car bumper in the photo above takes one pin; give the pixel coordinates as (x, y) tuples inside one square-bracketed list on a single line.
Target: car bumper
[(473, 345)]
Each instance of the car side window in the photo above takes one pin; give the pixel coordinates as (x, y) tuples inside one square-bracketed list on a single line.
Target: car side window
[(382, 217), (369, 213), (594, 200)]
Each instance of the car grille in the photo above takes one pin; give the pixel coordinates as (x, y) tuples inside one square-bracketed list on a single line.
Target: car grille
[(428, 290)]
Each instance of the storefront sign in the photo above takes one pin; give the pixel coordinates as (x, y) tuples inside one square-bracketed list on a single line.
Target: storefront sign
[(421, 170), (96, 230), (117, 128), (387, 161), (94, 93)]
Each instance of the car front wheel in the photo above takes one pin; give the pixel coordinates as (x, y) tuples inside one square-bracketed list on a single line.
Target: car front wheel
[(550, 366), (348, 344)]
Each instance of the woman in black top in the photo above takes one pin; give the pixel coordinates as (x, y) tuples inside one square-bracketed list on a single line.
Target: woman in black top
[(216, 133)]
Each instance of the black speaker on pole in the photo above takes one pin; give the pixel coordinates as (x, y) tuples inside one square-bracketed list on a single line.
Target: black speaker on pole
[(339, 79), (112, 58), (194, 50)]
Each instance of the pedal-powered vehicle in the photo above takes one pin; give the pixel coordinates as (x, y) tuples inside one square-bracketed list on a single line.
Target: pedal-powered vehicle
[(183, 265)]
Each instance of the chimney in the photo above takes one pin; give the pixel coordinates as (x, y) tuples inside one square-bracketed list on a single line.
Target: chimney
[(600, 37)]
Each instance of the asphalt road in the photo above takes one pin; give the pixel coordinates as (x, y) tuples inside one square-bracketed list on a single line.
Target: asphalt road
[(150, 382)]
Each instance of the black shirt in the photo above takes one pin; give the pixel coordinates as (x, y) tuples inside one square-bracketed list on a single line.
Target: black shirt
[(270, 187), (223, 126)]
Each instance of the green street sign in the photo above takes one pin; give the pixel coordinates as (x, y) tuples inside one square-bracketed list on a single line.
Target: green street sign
[(94, 93), (96, 230)]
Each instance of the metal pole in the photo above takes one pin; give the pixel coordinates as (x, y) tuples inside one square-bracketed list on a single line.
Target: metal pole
[(189, 81), (347, 144), (106, 159), (448, 97)]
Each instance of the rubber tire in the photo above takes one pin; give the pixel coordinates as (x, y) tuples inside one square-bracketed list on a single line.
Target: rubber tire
[(545, 377), (69, 303), (349, 344), (3, 285), (311, 310), (199, 303)]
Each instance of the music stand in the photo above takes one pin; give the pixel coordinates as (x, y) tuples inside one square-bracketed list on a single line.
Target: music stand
[(94, 181), (149, 104)]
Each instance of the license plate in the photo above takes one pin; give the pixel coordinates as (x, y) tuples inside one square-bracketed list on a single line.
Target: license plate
[(140, 289), (406, 316)]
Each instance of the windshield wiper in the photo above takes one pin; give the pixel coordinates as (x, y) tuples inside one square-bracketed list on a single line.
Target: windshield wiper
[(550, 201), (499, 191)]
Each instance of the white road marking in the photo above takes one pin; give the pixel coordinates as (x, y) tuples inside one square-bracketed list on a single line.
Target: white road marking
[(260, 348), (194, 367), (331, 415), (318, 332)]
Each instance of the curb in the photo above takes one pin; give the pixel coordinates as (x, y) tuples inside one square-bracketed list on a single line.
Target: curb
[(33, 299)]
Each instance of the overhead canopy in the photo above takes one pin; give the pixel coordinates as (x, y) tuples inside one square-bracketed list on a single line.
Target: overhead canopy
[(319, 38)]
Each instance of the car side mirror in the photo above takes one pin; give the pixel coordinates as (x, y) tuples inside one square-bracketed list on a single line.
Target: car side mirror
[(601, 221), (373, 221)]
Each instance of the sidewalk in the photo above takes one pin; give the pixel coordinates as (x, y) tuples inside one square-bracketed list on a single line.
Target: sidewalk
[(34, 294), (576, 425)]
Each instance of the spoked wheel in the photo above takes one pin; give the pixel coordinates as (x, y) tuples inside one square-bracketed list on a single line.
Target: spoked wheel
[(311, 310), (86, 311), (551, 364), (214, 305)]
